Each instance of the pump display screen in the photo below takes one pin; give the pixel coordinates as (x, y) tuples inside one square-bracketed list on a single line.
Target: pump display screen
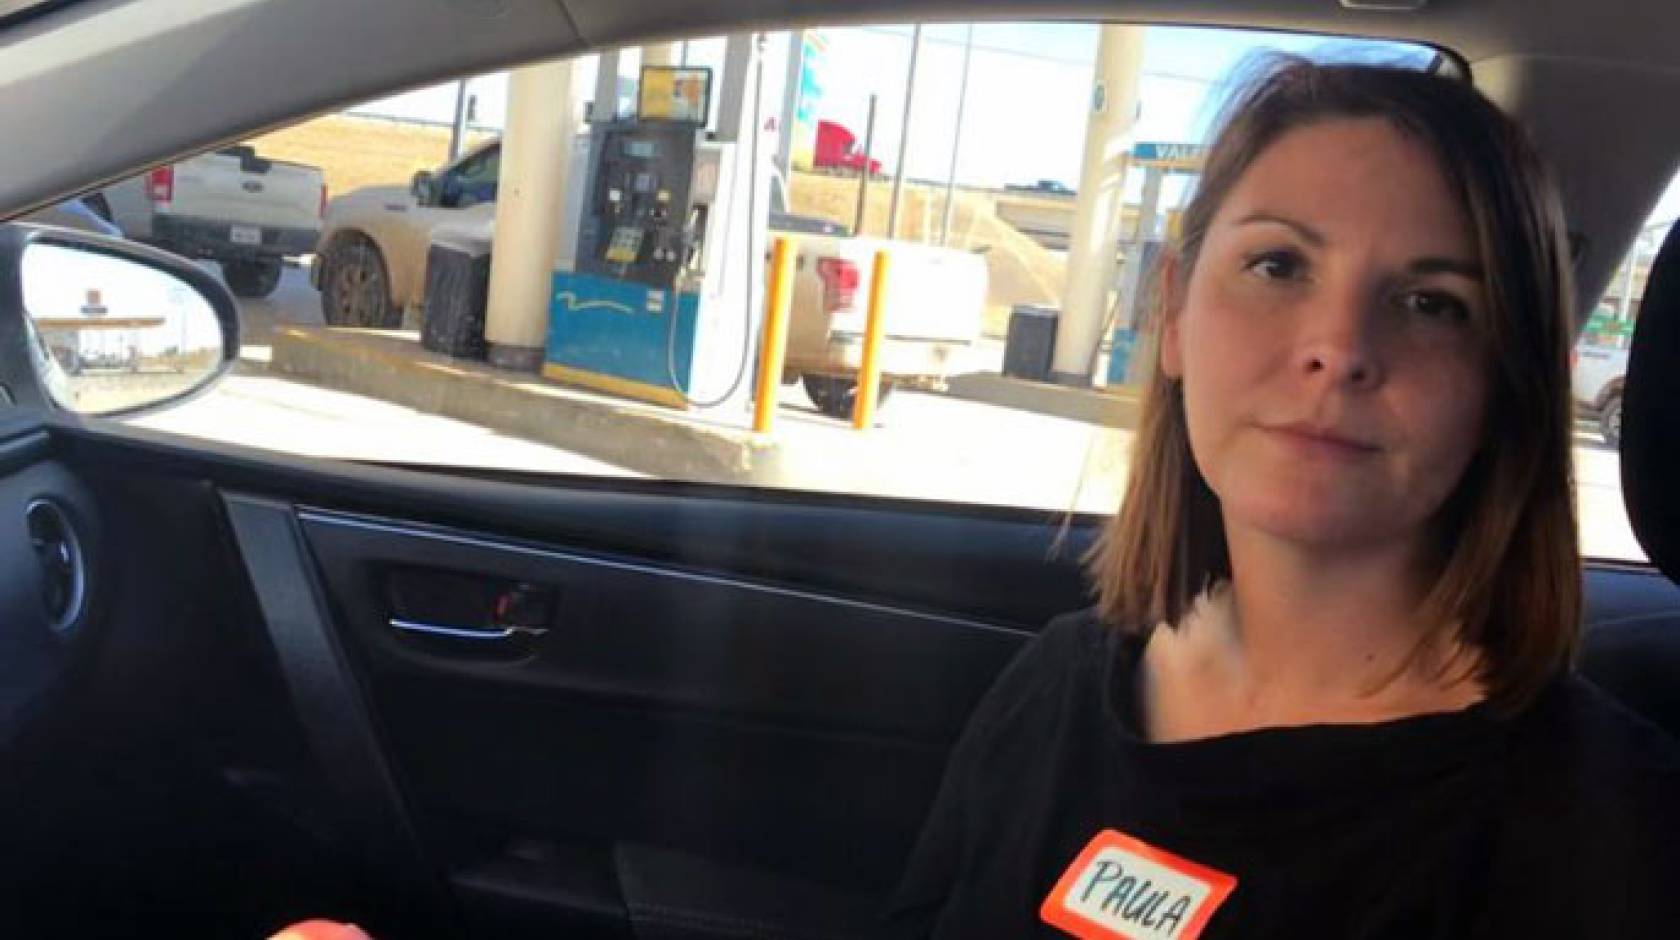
[(641, 149), (674, 94)]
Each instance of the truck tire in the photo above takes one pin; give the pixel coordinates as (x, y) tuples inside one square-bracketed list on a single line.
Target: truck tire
[(355, 288), (1610, 420), (836, 396), (252, 279)]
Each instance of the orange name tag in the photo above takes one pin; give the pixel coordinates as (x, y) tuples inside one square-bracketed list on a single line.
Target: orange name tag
[(1122, 889)]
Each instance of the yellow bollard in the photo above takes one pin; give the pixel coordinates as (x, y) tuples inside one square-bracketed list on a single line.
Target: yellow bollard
[(869, 371), (774, 353)]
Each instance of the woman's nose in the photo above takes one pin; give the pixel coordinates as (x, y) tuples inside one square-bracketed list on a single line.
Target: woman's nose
[(1338, 342)]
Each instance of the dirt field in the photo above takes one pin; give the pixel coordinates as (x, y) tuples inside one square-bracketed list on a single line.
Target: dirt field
[(358, 151)]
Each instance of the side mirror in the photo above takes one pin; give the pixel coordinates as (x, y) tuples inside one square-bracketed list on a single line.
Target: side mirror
[(111, 327), (422, 187)]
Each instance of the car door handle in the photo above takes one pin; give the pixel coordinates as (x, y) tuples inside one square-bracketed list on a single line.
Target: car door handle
[(495, 634)]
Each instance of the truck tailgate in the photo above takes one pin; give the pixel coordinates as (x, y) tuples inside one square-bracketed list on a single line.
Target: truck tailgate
[(932, 293), (246, 189)]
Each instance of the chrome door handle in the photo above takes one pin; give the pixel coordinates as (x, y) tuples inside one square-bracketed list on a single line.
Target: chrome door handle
[(497, 633)]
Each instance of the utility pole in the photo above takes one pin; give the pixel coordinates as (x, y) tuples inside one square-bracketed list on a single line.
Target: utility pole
[(956, 141), (458, 133), (863, 173), (904, 133)]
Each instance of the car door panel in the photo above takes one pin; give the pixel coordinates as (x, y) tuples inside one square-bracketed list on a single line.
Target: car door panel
[(718, 696), (672, 720)]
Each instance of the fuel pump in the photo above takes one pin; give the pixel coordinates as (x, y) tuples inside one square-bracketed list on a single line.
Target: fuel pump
[(660, 300)]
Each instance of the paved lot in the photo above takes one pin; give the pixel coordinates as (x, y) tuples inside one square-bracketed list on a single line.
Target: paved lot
[(927, 446), (249, 407)]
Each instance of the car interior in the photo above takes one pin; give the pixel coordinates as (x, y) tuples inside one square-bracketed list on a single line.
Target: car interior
[(706, 711)]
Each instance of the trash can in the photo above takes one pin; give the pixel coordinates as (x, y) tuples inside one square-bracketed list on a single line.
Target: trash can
[(457, 292), (1030, 346)]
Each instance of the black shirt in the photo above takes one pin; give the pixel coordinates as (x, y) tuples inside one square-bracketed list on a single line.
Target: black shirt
[(1562, 821)]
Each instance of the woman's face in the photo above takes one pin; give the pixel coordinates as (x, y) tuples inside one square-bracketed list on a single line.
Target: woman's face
[(1334, 382)]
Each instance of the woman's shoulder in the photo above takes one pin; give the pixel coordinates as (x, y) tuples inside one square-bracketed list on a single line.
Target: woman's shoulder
[(1061, 666), (1577, 723), (1581, 760), (1591, 803)]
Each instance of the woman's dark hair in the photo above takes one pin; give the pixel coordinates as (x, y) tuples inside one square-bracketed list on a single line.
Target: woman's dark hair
[(1508, 576)]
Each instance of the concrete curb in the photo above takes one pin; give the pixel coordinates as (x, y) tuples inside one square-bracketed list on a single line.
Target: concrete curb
[(392, 366), (1117, 409)]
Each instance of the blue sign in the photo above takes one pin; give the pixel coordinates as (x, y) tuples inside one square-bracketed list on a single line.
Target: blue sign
[(1154, 151)]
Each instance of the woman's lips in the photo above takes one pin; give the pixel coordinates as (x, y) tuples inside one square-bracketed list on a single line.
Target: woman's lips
[(1319, 441)]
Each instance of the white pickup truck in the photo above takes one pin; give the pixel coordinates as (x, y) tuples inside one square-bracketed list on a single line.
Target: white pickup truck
[(371, 265), (231, 206), (1598, 376)]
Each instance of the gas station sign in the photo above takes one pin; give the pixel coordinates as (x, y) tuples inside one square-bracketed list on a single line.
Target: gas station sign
[(1171, 157)]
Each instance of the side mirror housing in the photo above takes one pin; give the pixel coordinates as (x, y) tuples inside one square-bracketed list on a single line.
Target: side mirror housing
[(422, 186)]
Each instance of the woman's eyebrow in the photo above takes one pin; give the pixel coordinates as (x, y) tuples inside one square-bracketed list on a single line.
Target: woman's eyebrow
[(1315, 238), (1308, 234), (1469, 269)]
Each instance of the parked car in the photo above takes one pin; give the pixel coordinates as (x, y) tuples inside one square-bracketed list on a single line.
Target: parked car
[(231, 206), (1049, 187), (1599, 374), (370, 257), (371, 266), (73, 214)]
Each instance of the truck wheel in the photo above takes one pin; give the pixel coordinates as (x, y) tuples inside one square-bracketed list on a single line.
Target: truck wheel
[(252, 278), (835, 396), (1610, 421), (355, 289)]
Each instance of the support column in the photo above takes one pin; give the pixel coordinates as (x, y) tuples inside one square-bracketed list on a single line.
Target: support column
[(605, 103), (1096, 216), (790, 105), (536, 158)]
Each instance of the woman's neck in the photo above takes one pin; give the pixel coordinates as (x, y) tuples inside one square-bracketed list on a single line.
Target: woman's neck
[(1299, 638)]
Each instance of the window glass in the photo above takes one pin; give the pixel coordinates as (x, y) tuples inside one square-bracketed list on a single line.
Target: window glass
[(635, 345), (484, 168), (1600, 364)]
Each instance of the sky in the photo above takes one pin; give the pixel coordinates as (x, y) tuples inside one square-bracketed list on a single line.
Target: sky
[(57, 282), (1027, 93)]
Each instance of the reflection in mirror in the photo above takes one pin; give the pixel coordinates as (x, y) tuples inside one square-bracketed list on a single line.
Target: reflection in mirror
[(115, 333)]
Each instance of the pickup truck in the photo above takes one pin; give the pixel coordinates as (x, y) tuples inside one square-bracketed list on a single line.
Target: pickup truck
[(371, 266), (1598, 376), (230, 206)]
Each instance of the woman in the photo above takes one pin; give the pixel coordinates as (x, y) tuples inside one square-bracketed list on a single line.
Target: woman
[(1326, 688)]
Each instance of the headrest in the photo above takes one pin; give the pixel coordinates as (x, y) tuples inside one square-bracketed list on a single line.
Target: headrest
[(1651, 414)]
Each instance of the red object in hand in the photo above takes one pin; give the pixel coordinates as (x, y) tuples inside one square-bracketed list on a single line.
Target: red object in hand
[(321, 930)]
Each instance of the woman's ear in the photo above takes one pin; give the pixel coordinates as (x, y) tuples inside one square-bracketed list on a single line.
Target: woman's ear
[(1172, 302)]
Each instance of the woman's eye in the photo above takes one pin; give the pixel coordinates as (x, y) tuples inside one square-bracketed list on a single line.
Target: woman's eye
[(1276, 265), (1435, 305)]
